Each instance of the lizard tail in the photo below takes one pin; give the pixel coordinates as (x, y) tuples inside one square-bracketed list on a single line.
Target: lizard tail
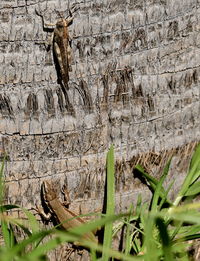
[(65, 80)]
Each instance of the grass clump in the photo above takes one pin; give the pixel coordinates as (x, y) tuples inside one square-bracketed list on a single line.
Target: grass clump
[(161, 230)]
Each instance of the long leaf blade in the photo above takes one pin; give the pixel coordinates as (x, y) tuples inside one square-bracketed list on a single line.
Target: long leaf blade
[(110, 204)]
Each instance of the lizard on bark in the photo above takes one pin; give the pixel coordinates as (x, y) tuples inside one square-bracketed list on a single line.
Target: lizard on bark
[(61, 45), (65, 217)]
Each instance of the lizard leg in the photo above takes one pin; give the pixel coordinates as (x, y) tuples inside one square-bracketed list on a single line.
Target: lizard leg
[(47, 44), (70, 20), (49, 41), (67, 200), (48, 26), (41, 212), (69, 54)]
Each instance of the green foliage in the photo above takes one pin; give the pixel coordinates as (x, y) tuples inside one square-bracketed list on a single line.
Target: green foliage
[(168, 229), (156, 231), (110, 203)]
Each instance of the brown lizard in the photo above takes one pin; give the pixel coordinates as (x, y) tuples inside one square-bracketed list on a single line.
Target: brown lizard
[(62, 48), (61, 45), (65, 217)]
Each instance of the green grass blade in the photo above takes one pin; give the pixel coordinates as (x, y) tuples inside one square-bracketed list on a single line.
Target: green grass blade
[(13, 239), (188, 237), (33, 223), (164, 198), (93, 225), (186, 213), (194, 229), (192, 218), (8, 234), (20, 247), (166, 243), (93, 255), (193, 190), (195, 162), (6, 228), (62, 237), (159, 187), (110, 204), (8, 207), (138, 205), (136, 245), (177, 229), (152, 182), (5, 233), (150, 243), (193, 174), (128, 232), (1, 184), (140, 169)]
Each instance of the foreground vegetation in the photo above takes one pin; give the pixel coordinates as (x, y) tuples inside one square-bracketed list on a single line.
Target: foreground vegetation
[(161, 230)]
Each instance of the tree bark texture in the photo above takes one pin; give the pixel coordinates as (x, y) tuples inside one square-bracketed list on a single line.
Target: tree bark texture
[(134, 83)]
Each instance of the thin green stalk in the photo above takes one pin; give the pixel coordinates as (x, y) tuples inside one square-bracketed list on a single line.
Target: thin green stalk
[(110, 204)]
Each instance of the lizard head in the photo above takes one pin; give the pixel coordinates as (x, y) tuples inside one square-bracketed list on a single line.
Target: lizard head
[(63, 23), (48, 191)]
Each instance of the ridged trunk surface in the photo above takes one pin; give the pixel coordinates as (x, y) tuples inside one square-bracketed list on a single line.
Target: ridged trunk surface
[(134, 83)]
